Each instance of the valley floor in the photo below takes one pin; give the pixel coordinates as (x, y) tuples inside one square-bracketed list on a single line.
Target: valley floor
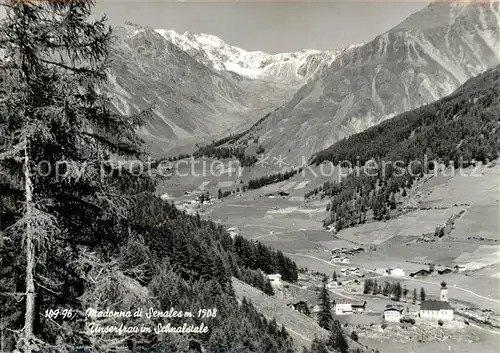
[(294, 226)]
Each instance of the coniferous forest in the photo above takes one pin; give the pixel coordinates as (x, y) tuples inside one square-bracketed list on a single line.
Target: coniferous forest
[(456, 131), (80, 230)]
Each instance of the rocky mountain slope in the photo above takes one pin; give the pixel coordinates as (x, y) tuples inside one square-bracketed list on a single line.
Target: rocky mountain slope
[(285, 68), (422, 59), (191, 100)]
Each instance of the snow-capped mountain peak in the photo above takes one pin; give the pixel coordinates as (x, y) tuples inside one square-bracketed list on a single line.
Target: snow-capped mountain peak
[(287, 68)]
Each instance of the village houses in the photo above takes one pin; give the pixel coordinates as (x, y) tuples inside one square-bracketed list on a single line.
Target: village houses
[(348, 308), (332, 284), (355, 271), (342, 308), (350, 271), (359, 307), (336, 259), (300, 306), (393, 314), (396, 272), (381, 271)]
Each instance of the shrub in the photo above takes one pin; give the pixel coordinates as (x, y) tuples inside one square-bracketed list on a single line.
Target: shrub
[(354, 336), (440, 322)]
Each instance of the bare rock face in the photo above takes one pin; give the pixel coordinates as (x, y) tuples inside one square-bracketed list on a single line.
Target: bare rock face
[(198, 86), (424, 58)]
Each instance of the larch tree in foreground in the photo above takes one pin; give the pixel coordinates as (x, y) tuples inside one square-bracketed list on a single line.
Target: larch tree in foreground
[(62, 194)]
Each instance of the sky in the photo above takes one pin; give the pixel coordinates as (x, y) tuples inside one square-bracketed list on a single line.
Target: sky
[(272, 27)]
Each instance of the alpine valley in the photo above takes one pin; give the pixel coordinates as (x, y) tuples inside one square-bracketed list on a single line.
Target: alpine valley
[(422, 59), (318, 201), (199, 86)]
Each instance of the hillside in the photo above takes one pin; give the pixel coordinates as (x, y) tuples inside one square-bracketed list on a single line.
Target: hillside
[(302, 328), (424, 58), (456, 131), (189, 99)]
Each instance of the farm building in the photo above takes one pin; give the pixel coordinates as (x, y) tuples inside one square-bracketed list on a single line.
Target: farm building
[(396, 272), (345, 260), (355, 271), (381, 271), (420, 273), (344, 271), (332, 284), (445, 271), (393, 314), (275, 279), (437, 309), (459, 268), (336, 259), (359, 307), (301, 306), (233, 232), (342, 308)]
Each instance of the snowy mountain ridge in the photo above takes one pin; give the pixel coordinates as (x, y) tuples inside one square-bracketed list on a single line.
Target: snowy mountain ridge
[(424, 58), (189, 100), (286, 68)]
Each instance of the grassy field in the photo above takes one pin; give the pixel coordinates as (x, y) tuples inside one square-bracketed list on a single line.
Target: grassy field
[(411, 224), (471, 339)]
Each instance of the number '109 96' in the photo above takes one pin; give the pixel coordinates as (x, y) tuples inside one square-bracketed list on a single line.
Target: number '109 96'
[(206, 313)]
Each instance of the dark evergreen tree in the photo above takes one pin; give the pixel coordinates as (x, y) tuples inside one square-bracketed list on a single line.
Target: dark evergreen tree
[(422, 294), (318, 346), (397, 292), (325, 317), (337, 338)]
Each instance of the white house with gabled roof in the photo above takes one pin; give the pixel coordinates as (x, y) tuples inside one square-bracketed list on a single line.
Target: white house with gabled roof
[(275, 279)]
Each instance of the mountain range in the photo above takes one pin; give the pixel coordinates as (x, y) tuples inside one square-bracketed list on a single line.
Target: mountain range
[(424, 58), (198, 86), (203, 87), (286, 68)]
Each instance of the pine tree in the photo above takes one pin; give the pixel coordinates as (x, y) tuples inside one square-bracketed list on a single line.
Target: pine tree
[(325, 317), (414, 299), (397, 291), (55, 117), (318, 346), (422, 294), (337, 339), (387, 289), (405, 292), (367, 287)]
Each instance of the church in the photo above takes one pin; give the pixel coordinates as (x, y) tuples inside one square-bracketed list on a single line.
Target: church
[(437, 309)]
